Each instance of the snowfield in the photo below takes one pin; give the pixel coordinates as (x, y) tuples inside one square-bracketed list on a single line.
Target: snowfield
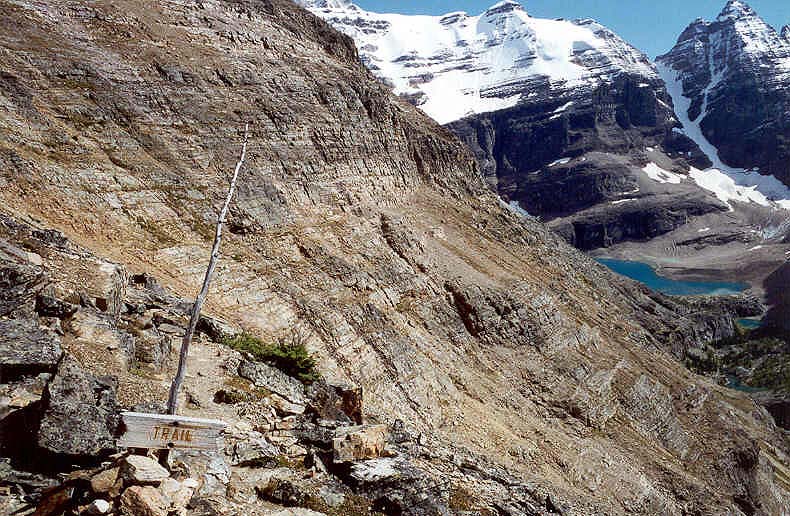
[(459, 65)]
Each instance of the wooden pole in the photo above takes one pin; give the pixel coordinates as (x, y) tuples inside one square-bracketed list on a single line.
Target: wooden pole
[(172, 402)]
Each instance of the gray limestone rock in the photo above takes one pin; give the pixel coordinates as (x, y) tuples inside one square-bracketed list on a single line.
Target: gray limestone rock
[(327, 403), (27, 349), (151, 347), (274, 380), (48, 306), (254, 453), (137, 469), (20, 281), (80, 413), (216, 329), (400, 488)]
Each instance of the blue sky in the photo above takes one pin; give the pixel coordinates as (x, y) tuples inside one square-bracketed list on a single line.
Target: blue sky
[(651, 25)]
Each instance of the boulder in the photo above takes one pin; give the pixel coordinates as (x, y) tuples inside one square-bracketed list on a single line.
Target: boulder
[(285, 407), (209, 468), (20, 280), (400, 488), (326, 403), (216, 329), (274, 380), (107, 482), (359, 443), (176, 494), (142, 501), (255, 453), (216, 477), (317, 435), (151, 347), (97, 507), (48, 306), (283, 492), (83, 404), (137, 469), (26, 349)]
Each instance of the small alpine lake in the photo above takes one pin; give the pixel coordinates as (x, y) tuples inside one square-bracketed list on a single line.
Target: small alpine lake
[(647, 275)]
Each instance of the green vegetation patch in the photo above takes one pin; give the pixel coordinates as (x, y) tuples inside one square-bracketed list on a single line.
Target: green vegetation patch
[(292, 358), (768, 358), (772, 373), (353, 505)]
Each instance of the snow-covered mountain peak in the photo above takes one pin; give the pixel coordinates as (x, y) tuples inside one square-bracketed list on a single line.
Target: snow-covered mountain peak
[(506, 6), (457, 65), (708, 73), (786, 33), (736, 9), (755, 36), (738, 38)]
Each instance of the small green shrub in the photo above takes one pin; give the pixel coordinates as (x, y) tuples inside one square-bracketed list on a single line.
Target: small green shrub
[(292, 358)]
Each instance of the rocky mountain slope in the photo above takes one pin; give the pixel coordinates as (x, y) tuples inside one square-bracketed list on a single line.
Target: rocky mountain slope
[(731, 83), (540, 382)]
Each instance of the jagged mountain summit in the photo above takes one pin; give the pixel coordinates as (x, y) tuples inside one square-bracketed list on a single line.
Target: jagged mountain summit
[(457, 64), (730, 81)]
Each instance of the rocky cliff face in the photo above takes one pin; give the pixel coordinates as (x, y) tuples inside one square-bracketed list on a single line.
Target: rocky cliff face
[(779, 299), (579, 161), (366, 225), (735, 72)]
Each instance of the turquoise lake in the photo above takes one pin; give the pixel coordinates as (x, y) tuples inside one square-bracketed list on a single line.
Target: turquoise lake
[(644, 273), (750, 324)]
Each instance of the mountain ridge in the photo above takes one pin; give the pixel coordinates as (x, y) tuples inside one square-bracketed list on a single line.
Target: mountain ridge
[(455, 50), (603, 163)]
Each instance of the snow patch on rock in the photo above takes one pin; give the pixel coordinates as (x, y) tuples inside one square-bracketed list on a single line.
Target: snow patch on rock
[(660, 175)]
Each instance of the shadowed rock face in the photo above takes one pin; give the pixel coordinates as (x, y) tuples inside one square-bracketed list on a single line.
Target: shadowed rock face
[(367, 224), (627, 115), (575, 160), (737, 69), (80, 415), (778, 293)]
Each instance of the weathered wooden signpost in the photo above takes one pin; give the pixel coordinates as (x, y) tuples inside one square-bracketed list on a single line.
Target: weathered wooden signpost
[(167, 432)]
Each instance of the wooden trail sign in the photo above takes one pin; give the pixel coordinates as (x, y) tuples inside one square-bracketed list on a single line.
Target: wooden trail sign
[(165, 432)]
